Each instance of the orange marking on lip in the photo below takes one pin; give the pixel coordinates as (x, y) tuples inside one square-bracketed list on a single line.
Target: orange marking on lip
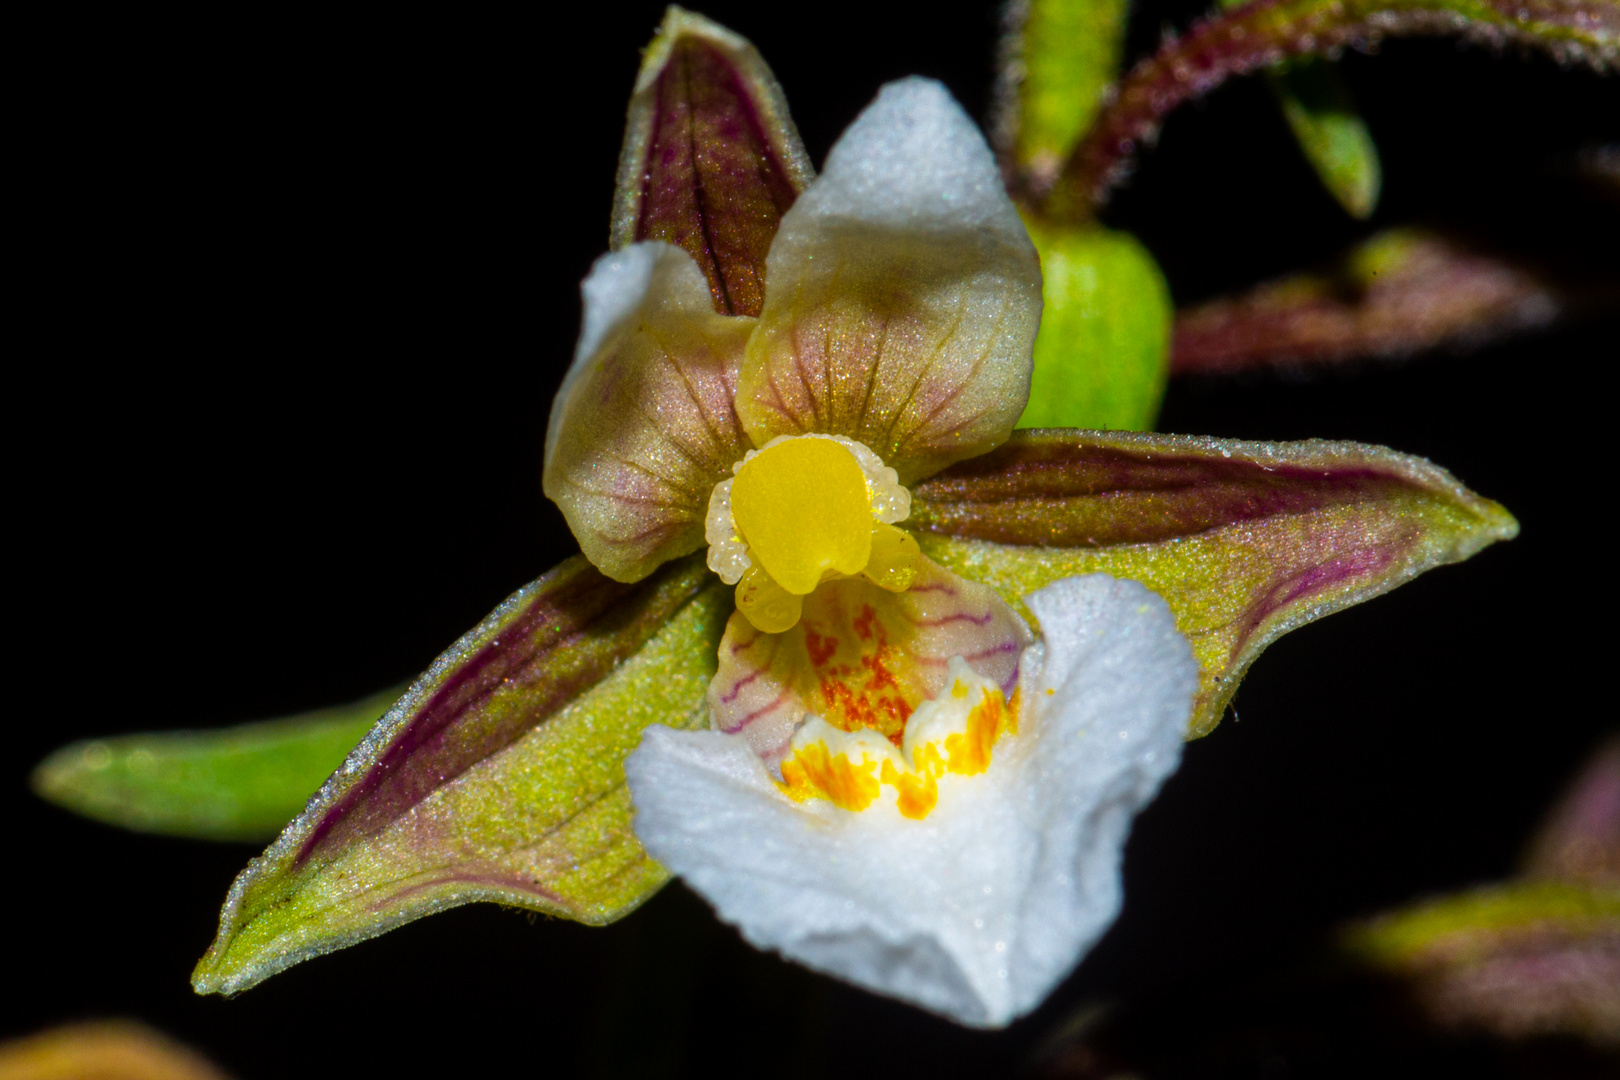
[(821, 649), (813, 773), (970, 751), (863, 691), (917, 794)]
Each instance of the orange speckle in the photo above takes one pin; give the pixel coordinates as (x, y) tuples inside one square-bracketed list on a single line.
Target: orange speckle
[(820, 648), (856, 685), (928, 762), (863, 623)]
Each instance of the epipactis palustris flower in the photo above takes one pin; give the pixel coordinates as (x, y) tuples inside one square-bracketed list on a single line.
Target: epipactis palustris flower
[(898, 725), (902, 785)]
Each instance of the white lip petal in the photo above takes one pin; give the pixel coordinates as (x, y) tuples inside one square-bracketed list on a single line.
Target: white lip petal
[(980, 909)]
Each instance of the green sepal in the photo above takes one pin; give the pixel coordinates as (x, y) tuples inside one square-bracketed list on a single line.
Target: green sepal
[(540, 820), (1103, 353), (238, 783)]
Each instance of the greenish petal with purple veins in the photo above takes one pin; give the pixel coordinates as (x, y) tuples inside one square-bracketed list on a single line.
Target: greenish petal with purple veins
[(498, 776), (1396, 293), (1517, 960), (1246, 541)]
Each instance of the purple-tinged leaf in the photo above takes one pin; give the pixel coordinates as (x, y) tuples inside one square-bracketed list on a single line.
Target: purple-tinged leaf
[(711, 160), (1267, 31), (1519, 959), (1246, 541), (1401, 292), (1536, 956), (498, 776), (1580, 841)]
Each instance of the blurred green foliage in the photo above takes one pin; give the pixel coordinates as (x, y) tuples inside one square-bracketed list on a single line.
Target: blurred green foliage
[(239, 783)]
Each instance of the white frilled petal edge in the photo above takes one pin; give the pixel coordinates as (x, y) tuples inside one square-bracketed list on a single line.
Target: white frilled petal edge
[(979, 910)]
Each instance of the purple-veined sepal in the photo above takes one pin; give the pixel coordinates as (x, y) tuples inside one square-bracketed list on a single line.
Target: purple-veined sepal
[(1246, 541), (711, 159), (498, 776)]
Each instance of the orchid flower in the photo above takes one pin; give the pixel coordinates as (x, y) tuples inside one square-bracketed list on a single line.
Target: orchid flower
[(880, 676)]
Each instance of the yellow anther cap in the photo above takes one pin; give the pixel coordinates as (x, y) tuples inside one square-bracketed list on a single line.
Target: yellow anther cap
[(803, 508)]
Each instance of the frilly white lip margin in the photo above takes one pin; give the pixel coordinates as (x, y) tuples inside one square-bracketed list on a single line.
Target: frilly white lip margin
[(979, 910)]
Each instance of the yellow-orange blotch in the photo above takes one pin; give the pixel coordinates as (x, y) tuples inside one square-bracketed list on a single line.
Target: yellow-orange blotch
[(916, 794), (813, 773)]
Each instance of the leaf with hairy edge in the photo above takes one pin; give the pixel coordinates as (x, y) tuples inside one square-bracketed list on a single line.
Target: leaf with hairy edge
[(1246, 541), (711, 160), (1268, 31), (1397, 293), (236, 783), (1102, 354), (1057, 60), (498, 776)]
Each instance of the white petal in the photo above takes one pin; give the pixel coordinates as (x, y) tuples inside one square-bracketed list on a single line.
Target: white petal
[(912, 160), (980, 909), (903, 294)]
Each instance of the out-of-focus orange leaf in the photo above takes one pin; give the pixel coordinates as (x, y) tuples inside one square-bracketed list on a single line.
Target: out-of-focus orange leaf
[(102, 1050)]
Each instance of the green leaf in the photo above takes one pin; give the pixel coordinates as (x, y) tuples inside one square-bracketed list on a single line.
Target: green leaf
[(1317, 105), (1102, 355), (1245, 541), (499, 776), (238, 783), (1334, 137), (1058, 59)]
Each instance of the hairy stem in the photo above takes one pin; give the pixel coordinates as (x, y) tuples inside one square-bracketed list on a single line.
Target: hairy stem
[(1269, 31)]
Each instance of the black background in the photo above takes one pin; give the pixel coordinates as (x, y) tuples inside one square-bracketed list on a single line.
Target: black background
[(297, 290)]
